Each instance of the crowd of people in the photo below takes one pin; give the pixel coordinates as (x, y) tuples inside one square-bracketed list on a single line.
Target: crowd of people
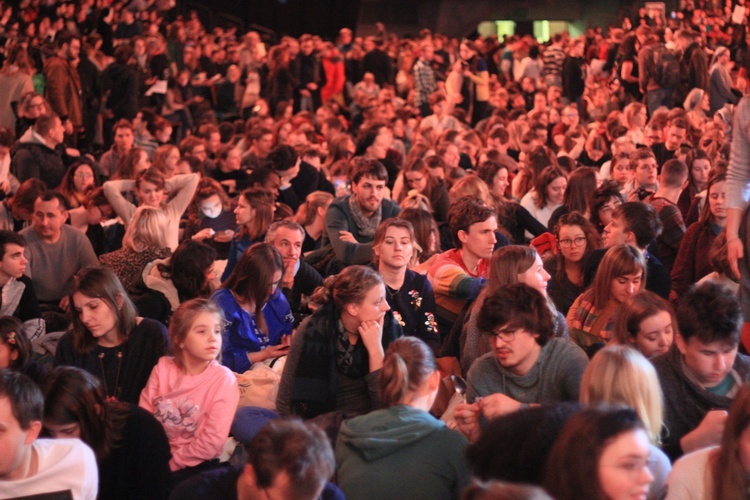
[(373, 267)]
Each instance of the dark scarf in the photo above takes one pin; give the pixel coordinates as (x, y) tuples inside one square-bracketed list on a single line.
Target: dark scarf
[(324, 355)]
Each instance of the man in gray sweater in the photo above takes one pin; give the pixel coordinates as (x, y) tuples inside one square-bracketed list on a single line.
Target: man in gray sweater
[(351, 221), (527, 365)]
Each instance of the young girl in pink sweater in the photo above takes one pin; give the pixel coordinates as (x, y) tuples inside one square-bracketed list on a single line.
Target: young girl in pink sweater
[(191, 394)]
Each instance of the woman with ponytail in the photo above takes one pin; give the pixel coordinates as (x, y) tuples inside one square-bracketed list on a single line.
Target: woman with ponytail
[(337, 353), (418, 454)]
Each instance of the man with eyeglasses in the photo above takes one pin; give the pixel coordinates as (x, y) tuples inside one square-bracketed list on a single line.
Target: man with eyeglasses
[(527, 365)]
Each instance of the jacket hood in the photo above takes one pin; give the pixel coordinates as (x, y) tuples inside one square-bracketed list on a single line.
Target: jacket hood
[(155, 281), (32, 137), (382, 433)]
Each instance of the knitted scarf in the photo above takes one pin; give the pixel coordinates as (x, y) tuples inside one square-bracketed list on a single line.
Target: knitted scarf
[(366, 225), (324, 355)]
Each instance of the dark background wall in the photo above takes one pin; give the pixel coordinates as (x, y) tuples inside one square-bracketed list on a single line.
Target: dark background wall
[(285, 17), (452, 17)]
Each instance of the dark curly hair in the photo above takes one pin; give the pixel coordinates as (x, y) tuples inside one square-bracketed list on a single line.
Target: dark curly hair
[(515, 307), (710, 312)]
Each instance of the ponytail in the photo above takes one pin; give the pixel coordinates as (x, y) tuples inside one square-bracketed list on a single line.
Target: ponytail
[(394, 380), (407, 365)]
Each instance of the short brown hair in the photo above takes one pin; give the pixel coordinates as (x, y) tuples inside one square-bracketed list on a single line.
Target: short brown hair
[(465, 212)]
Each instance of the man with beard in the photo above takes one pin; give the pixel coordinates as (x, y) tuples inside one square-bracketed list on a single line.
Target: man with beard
[(351, 221)]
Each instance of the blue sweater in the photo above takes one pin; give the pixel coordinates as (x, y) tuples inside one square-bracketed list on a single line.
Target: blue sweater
[(241, 334)]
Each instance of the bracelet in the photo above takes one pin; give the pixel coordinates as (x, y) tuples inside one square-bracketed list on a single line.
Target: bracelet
[(729, 240)]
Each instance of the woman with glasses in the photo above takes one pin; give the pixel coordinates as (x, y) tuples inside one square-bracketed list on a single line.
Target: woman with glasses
[(258, 315), (417, 177), (78, 181), (577, 238), (31, 106)]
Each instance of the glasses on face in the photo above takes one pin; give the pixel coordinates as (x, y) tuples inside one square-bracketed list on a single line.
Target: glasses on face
[(504, 335), (567, 243), (84, 175), (414, 180)]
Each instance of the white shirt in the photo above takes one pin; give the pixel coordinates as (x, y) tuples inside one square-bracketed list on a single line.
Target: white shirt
[(64, 465)]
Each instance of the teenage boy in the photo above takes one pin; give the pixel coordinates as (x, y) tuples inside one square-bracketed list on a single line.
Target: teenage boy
[(702, 372), (458, 275), (637, 224)]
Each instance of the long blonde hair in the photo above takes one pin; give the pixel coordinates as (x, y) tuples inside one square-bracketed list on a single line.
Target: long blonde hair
[(620, 374)]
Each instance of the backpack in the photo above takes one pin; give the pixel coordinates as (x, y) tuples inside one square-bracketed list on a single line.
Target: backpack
[(667, 66)]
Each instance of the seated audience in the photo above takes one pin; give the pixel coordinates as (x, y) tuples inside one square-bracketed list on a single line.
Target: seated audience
[(190, 393), (286, 459), (692, 261), (144, 241), (458, 275), (509, 265), (166, 283), (672, 180), (150, 188), (257, 315), (527, 365), (646, 322), (717, 471), (311, 216), (586, 461), (591, 317), (418, 454), (577, 239), (131, 448), (408, 293), (32, 467), (337, 353), (702, 372), (620, 375), (351, 221), (56, 252), (15, 350), (514, 447), (637, 224), (254, 213), (19, 296), (78, 181), (38, 155), (210, 218), (299, 279), (107, 338), (548, 194)]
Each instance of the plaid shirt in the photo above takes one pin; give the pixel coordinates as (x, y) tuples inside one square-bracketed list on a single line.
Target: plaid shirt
[(424, 81)]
